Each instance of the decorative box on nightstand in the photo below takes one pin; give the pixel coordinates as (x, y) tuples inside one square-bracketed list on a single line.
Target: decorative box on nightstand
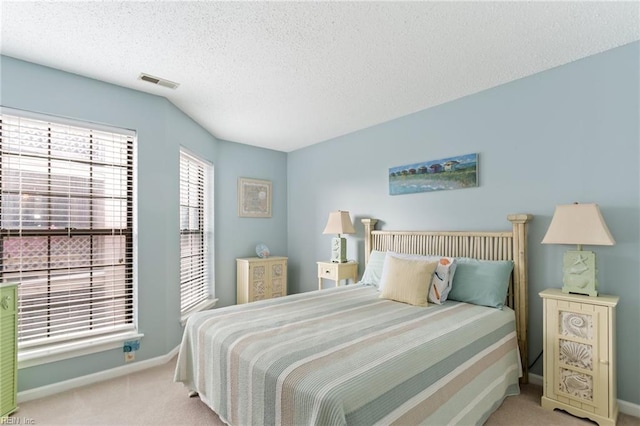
[(337, 272), (579, 355)]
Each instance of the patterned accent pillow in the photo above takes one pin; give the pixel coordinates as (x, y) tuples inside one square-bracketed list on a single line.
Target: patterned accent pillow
[(406, 280), (442, 277), (442, 280)]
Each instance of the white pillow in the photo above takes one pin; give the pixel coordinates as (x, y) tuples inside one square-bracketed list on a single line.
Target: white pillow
[(442, 277), (373, 272)]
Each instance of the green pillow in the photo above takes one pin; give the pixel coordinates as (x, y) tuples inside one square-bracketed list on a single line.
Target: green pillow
[(481, 282)]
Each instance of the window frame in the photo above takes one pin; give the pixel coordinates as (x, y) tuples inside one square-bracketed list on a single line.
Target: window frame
[(57, 349), (208, 300)]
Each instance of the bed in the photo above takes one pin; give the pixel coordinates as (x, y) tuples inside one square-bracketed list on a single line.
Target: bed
[(344, 355)]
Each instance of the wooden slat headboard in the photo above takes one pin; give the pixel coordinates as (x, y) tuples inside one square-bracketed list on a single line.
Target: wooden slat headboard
[(506, 245)]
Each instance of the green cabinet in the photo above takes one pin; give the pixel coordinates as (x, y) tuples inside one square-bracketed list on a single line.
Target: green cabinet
[(8, 349)]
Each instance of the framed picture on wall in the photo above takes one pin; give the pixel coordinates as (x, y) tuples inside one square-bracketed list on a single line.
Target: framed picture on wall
[(435, 175), (254, 197)]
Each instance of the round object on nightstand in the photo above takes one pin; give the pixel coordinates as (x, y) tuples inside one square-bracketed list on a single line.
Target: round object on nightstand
[(262, 250)]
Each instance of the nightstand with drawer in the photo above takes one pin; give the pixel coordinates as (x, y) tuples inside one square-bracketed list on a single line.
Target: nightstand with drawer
[(337, 272)]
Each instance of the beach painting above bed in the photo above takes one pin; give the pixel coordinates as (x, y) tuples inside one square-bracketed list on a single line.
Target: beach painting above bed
[(434, 175)]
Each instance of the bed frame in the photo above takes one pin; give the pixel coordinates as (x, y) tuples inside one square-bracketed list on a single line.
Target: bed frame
[(508, 245)]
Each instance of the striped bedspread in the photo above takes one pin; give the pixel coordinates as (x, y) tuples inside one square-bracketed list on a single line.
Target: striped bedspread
[(345, 356)]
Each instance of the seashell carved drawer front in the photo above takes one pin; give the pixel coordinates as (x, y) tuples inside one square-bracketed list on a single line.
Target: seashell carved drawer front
[(579, 358)]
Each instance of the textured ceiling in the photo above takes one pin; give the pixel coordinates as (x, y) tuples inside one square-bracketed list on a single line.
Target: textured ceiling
[(288, 75)]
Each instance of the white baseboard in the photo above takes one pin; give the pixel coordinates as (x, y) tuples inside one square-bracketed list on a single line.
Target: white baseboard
[(623, 406), (534, 379), (629, 408), (54, 388)]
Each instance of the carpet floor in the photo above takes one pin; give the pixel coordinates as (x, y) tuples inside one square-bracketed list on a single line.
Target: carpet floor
[(150, 397)]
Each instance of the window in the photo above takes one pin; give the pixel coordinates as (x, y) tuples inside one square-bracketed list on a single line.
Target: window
[(66, 227), (195, 212)]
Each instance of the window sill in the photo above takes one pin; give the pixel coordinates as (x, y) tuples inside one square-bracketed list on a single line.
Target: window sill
[(209, 303), (32, 357)]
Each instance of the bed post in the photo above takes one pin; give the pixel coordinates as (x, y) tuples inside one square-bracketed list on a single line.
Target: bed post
[(520, 287), (369, 224)]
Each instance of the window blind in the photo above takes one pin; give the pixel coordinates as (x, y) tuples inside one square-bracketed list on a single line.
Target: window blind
[(66, 227), (194, 225)]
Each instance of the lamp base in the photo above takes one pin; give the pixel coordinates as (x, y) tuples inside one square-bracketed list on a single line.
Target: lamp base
[(339, 250), (579, 273)]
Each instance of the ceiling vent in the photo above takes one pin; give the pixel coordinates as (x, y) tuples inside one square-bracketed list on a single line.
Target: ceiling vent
[(159, 81)]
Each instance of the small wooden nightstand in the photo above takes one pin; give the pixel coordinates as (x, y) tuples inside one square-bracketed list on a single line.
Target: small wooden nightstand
[(579, 355), (337, 272)]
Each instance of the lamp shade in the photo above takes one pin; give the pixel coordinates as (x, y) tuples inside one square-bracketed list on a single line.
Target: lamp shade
[(578, 224), (339, 223)]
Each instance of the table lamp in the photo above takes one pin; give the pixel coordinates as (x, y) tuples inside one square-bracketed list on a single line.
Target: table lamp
[(339, 223), (579, 224)]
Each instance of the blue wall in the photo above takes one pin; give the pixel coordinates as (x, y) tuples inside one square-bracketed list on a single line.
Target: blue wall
[(568, 134), (161, 130), (564, 135)]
